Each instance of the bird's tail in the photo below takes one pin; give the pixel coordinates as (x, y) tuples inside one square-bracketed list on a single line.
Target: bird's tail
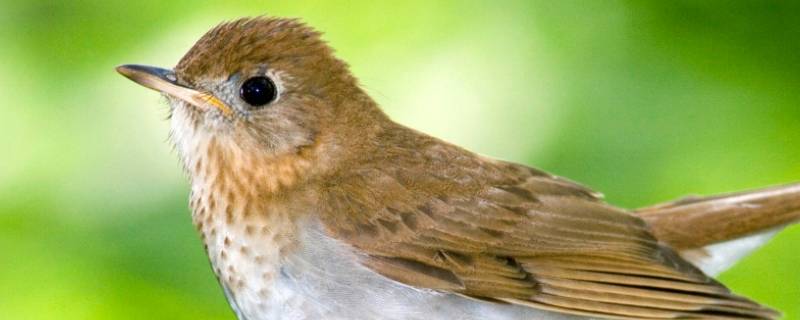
[(714, 232), (696, 222)]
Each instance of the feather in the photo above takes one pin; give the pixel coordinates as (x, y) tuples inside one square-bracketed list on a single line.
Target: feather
[(497, 231)]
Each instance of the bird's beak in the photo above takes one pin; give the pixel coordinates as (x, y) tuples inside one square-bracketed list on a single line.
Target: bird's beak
[(164, 81)]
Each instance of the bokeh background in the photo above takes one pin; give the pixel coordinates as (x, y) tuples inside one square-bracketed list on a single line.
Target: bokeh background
[(646, 101)]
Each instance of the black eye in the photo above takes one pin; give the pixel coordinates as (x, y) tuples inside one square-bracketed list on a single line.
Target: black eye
[(258, 91)]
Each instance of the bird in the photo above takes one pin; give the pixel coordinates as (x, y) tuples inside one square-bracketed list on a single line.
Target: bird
[(312, 203)]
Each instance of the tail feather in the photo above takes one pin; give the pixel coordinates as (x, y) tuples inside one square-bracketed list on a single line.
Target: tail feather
[(696, 222)]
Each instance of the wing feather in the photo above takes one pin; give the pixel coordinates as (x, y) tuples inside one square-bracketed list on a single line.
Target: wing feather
[(497, 231)]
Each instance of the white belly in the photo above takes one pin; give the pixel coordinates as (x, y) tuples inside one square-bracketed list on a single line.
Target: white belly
[(322, 280)]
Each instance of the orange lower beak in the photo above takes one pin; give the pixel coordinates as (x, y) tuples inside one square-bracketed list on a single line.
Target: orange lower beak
[(165, 81)]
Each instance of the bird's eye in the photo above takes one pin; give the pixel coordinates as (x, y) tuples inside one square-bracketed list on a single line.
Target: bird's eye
[(258, 91)]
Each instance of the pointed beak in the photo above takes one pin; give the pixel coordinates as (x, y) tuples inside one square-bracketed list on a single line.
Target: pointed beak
[(164, 81)]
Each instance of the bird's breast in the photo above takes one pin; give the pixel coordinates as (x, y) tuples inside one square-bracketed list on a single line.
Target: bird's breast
[(274, 267), (246, 250), (275, 260)]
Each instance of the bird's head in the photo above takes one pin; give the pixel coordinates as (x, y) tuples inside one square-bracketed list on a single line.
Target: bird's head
[(261, 88)]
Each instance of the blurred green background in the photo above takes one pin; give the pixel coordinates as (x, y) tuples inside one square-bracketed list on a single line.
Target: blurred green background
[(646, 101)]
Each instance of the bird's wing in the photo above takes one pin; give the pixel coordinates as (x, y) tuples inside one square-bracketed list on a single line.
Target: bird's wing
[(512, 234)]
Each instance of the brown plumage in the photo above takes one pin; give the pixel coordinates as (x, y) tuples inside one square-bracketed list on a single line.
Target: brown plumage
[(415, 209), (502, 231), (695, 222)]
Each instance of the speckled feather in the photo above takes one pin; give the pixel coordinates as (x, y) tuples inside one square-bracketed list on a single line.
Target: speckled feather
[(319, 206)]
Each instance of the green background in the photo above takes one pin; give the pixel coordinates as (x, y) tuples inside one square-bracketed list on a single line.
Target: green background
[(645, 101)]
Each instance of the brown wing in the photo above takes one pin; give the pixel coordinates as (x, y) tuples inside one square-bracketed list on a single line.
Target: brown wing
[(506, 233)]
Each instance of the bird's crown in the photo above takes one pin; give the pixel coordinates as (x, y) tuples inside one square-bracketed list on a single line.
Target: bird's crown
[(249, 43)]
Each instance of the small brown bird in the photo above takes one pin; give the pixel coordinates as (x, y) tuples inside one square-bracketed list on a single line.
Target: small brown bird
[(312, 204)]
